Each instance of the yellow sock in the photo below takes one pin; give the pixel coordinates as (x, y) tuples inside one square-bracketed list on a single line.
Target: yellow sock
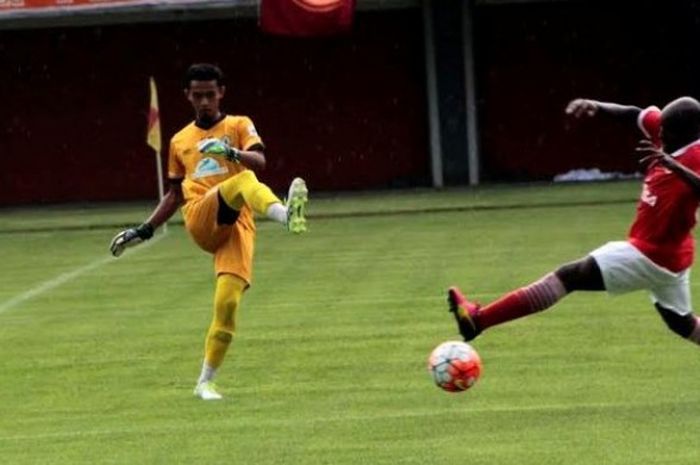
[(245, 189), (227, 298)]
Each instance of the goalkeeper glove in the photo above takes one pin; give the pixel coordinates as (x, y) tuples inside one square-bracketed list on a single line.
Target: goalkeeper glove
[(213, 146), (130, 237)]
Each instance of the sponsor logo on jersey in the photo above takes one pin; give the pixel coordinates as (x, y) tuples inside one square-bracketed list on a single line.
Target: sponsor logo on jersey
[(658, 173), (647, 197), (225, 139), (208, 167)]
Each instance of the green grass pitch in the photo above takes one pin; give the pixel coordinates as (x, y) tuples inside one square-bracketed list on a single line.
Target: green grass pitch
[(98, 356)]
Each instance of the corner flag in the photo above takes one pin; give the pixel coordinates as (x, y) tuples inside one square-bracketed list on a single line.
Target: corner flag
[(153, 136)]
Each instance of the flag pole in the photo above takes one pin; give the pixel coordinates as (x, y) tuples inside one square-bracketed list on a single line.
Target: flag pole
[(153, 138), (159, 173)]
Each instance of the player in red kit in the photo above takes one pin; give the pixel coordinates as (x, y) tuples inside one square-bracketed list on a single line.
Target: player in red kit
[(659, 250)]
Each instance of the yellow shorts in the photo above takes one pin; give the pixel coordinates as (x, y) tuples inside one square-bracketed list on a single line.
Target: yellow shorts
[(232, 245)]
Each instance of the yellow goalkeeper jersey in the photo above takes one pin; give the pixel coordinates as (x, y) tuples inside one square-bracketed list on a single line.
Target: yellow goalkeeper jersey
[(200, 172)]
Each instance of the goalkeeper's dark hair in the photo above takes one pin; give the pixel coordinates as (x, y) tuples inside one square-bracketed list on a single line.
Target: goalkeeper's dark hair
[(203, 72)]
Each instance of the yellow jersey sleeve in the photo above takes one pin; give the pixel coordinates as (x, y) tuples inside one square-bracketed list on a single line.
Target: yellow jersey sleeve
[(247, 134)]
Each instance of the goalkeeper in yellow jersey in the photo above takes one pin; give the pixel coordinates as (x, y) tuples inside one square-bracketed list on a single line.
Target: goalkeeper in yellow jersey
[(211, 170)]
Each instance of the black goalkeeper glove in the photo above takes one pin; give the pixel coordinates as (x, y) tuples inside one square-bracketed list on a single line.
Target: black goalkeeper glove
[(130, 237)]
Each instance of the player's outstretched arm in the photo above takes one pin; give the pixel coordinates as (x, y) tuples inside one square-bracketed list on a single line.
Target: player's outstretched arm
[(653, 153), (582, 107), (139, 234)]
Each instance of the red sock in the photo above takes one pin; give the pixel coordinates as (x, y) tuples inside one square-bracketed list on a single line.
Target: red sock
[(537, 296)]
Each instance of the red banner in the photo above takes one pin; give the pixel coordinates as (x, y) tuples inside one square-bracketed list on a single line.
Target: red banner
[(306, 17)]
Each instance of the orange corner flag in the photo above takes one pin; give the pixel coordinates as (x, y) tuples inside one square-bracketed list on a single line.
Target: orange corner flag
[(153, 136)]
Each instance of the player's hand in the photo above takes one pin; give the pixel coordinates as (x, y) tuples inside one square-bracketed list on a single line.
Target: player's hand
[(651, 152), (213, 146), (582, 107), (130, 237)]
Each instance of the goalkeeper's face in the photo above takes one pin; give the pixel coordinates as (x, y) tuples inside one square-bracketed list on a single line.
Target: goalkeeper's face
[(205, 97)]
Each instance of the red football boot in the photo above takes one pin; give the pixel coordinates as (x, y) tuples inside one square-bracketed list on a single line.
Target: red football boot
[(465, 312)]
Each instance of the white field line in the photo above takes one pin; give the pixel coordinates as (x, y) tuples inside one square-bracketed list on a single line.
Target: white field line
[(63, 278)]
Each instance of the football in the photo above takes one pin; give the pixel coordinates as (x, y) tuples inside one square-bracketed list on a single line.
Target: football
[(455, 366)]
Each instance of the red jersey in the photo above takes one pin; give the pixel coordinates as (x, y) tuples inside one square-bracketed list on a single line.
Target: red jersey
[(667, 206)]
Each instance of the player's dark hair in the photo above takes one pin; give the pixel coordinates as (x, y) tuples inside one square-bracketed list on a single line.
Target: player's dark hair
[(203, 72), (680, 122)]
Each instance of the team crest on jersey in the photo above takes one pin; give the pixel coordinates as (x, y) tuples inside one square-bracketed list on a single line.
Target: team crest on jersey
[(208, 167)]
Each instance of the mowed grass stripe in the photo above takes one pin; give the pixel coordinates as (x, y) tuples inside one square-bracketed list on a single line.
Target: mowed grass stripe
[(258, 422)]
